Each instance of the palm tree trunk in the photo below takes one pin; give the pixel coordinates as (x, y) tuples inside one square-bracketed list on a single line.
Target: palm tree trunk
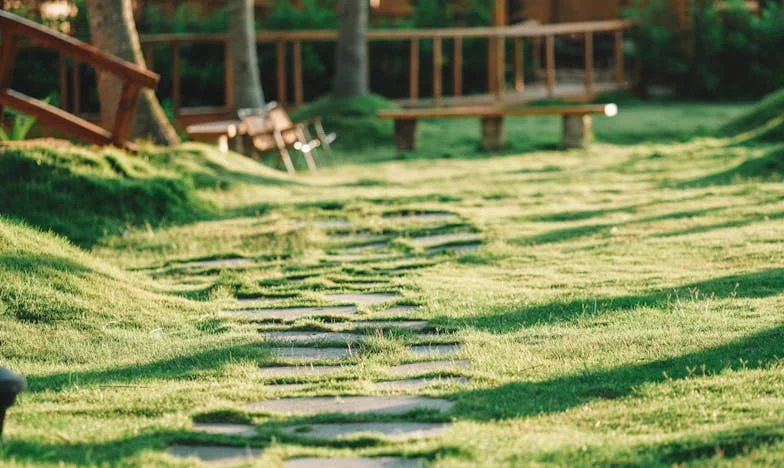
[(244, 61), (352, 55), (113, 30)]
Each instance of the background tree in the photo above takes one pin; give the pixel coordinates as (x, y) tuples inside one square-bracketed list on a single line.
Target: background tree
[(244, 60), (352, 55), (113, 30)]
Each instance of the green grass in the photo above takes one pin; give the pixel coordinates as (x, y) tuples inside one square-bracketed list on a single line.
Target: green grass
[(626, 309)]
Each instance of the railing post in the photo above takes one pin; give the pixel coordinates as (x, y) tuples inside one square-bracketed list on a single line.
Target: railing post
[(500, 67), (228, 75), (619, 78), (149, 60), (280, 62), (457, 70), (519, 63), (413, 70), (7, 60), (589, 62), (299, 95), (125, 110), (76, 87), (63, 79), (550, 59), (437, 76), (176, 97)]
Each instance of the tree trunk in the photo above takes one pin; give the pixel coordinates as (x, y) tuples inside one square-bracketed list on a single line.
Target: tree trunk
[(244, 61), (113, 30), (351, 63)]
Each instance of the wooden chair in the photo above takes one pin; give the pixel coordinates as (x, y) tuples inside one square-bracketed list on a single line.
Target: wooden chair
[(271, 128)]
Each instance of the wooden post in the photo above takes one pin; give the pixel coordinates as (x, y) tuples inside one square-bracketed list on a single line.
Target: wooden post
[(280, 52), (176, 97), (619, 78), (149, 60), (405, 135), (7, 61), (519, 62), (76, 87), (550, 59), (437, 75), (589, 62), (413, 70), (499, 20), (63, 78), (457, 71), (500, 75), (228, 75), (299, 94), (126, 108)]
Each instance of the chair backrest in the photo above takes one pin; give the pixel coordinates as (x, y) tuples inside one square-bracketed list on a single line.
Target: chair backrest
[(280, 118)]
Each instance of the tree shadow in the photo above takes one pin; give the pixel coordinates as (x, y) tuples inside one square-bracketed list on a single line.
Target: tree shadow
[(181, 367), (765, 168), (757, 285), (757, 351)]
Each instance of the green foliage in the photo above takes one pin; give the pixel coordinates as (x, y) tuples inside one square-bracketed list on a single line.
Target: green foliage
[(20, 126), (722, 54), (353, 120), (759, 118)]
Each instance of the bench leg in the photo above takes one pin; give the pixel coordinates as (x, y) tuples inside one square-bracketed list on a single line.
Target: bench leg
[(493, 135), (406, 135), (576, 132)]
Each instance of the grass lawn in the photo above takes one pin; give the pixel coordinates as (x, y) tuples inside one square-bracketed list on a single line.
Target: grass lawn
[(625, 307)]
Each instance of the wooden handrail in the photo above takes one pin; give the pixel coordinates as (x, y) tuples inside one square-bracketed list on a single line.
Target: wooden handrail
[(44, 37), (133, 78)]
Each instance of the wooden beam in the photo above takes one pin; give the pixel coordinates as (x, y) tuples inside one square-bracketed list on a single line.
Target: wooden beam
[(7, 59), (228, 75), (176, 91), (550, 64), (413, 70), (76, 86), (519, 63), (63, 79), (126, 108), (149, 60), (437, 70), (500, 74), (589, 62), (299, 94), (457, 70), (619, 65), (280, 62)]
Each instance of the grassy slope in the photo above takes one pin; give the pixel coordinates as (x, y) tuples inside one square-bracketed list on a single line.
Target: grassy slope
[(627, 310)]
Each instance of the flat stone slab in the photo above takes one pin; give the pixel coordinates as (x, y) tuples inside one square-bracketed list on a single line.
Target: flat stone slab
[(219, 263), (310, 337), (332, 224), (435, 350), (365, 247), (361, 257), (300, 371), (380, 462), (421, 217), (456, 249), (410, 325), (395, 431), (418, 368), (395, 405), (293, 313), (215, 455), (364, 299), (262, 300), (419, 384), (234, 430), (439, 239), (315, 354)]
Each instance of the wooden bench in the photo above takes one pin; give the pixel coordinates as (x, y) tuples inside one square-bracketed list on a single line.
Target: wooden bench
[(576, 122), (14, 28)]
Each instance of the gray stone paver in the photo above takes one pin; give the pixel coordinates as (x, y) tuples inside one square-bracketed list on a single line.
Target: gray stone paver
[(439, 350), (396, 431), (214, 455), (234, 430), (380, 462), (419, 368), (351, 405), (364, 299), (310, 337), (293, 313), (419, 384), (332, 224), (439, 239), (458, 249), (300, 371), (314, 354), (421, 217), (411, 325), (400, 310)]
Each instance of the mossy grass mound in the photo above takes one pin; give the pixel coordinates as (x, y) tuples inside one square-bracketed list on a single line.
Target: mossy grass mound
[(353, 120), (762, 122)]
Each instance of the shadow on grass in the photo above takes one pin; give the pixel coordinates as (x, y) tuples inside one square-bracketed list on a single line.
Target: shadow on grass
[(182, 367), (518, 399), (753, 285), (769, 167)]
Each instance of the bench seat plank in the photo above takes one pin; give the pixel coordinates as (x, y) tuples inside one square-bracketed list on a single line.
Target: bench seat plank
[(489, 111)]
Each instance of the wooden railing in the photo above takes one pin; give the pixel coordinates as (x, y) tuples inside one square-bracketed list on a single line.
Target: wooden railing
[(14, 29), (496, 36)]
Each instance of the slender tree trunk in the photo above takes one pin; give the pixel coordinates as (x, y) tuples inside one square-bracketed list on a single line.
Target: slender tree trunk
[(352, 55), (113, 30), (244, 60)]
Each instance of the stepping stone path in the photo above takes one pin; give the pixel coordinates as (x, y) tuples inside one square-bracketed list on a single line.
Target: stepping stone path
[(364, 299), (220, 263), (293, 313), (389, 431), (306, 348)]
